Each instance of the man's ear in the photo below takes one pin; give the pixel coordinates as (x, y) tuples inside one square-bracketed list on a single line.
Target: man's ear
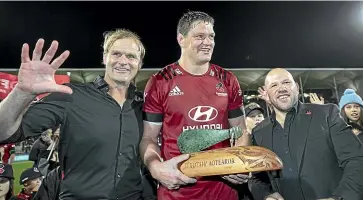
[(181, 40), (297, 86), (104, 57)]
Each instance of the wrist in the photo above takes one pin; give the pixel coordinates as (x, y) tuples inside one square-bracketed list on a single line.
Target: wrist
[(153, 164), (23, 94)]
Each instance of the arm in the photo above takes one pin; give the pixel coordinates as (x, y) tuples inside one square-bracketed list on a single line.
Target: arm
[(235, 114), (167, 173), (34, 152), (149, 149), (36, 76), (349, 152), (40, 116), (13, 107), (153, 118)]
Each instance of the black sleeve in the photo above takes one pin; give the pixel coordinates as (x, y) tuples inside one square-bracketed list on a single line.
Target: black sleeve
[(47, 113), (349, 152), (260, 183), (50, 185), (34, 152), (148, 185)]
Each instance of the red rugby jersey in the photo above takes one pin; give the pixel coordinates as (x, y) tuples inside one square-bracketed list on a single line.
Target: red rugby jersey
[(183, 101)]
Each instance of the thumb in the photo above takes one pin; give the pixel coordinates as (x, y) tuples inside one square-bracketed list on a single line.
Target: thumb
[(181, 158), (63, 89)]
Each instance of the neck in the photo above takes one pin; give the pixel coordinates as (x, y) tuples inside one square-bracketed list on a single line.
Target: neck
[(118, 91), (280, 116), (3, 197), (356, 122), (193, 67)]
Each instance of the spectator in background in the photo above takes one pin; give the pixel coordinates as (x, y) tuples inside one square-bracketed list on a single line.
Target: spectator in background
[(31, 179), (7, 153), (41, 144), (50, 186), (6, 181), (351, 105), (255, 115)]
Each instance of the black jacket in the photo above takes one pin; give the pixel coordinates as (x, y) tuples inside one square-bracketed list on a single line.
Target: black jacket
[(36, 150), (329, 156), (49, 189)]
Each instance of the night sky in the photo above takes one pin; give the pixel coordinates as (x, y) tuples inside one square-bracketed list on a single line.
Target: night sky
[(248, 34)]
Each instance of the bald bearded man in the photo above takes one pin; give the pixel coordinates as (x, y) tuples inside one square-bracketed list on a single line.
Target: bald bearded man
[(322, 158)]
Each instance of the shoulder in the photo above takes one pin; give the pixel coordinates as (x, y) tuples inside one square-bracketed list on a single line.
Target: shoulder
[(320, 108), (167, 73), (224, 75)]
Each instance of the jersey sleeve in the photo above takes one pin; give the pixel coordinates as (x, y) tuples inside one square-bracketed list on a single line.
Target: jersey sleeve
[(235, 98), (42, 115), (153, 101)]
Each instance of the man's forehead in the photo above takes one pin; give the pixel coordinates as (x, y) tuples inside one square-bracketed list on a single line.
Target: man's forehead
[(279, 76), (125, 45), (202, 26)]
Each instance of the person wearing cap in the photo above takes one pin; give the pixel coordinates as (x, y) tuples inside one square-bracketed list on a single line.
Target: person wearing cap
[(6, 182), (31, 179), (351, 105), (254, 115)]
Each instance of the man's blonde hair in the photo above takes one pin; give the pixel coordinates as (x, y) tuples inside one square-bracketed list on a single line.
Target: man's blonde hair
[(112, 36)]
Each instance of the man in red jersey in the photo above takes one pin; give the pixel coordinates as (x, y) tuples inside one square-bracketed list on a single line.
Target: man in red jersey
[(191, 94), (7, 153)]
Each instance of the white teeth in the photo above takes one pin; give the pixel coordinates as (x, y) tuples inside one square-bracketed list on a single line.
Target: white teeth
[(283, 97)]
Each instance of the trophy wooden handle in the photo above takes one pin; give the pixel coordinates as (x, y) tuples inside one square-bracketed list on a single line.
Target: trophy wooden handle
[(233, 160)]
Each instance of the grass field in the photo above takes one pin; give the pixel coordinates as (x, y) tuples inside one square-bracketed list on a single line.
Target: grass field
[(19, 167)]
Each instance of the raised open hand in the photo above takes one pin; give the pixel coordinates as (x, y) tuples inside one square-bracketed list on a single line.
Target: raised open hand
[(36, 75), (264, 96)]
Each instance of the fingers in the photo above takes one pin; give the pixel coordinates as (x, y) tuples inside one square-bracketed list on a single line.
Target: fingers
[(60, 60), (186, 179), (244, 176), (58, 88), (63, 89), (48, 56), (271, 198), (228, 178), (237, 179), (25, 53), (37, 52), (181, 158), (313, 97)]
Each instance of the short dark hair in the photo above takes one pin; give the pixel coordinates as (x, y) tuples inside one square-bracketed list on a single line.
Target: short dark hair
[(187, 20)]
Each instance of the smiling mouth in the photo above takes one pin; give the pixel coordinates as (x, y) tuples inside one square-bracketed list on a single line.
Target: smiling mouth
[(121, 70), (282, 97), (205, 50)]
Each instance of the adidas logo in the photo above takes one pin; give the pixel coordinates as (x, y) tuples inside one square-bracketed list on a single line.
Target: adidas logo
[(176, 91)]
